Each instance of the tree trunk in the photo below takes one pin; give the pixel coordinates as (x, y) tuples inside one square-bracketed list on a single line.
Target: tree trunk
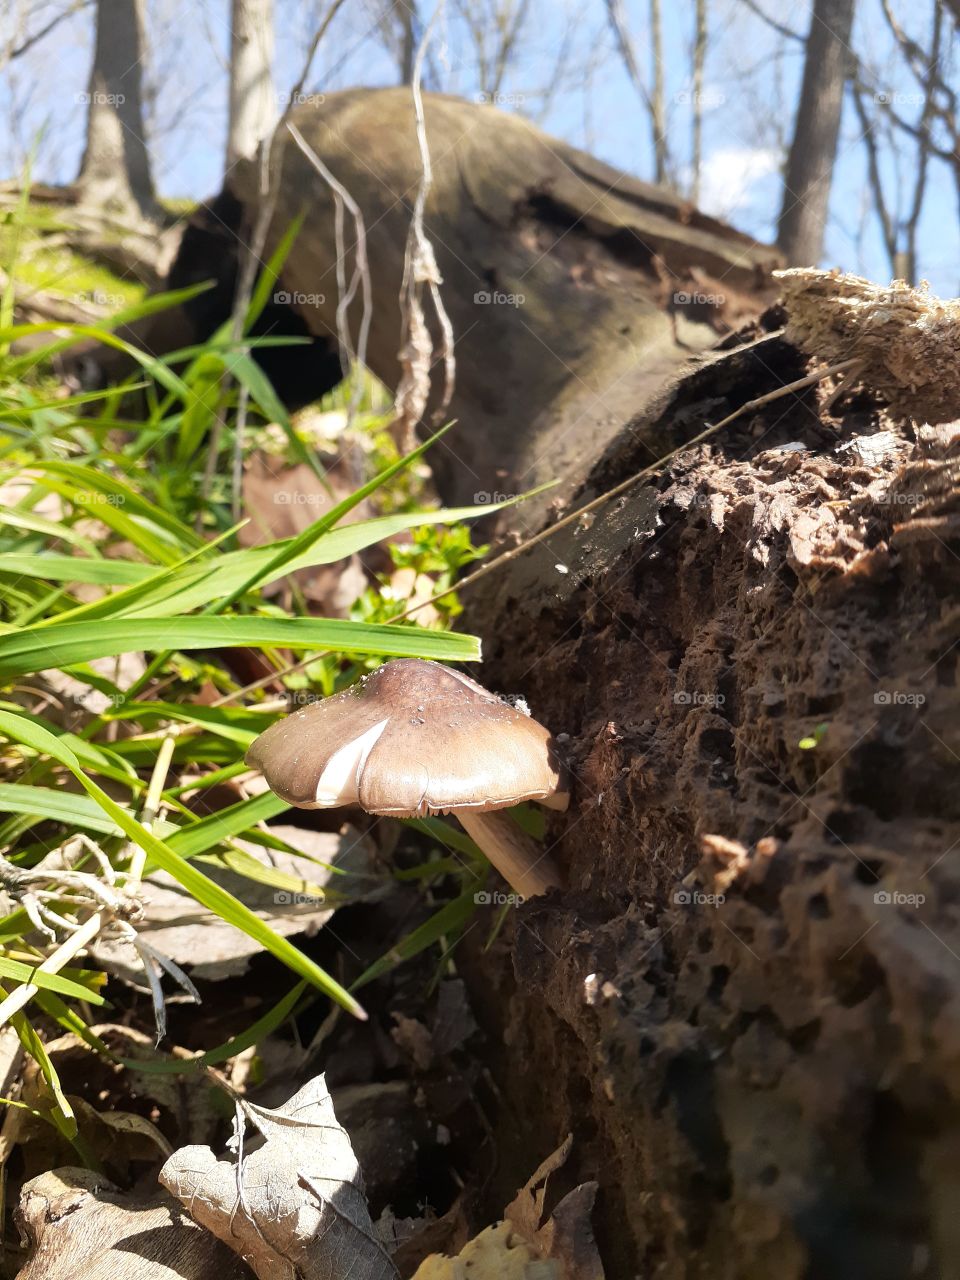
[(115, 171), (699, 58), (408, 49), (658, 113), (806, 189), (253, 102)]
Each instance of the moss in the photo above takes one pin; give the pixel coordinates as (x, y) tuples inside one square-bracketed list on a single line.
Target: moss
[(57, 269)]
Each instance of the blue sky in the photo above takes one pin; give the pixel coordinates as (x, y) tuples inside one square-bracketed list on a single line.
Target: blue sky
[(751, 81)]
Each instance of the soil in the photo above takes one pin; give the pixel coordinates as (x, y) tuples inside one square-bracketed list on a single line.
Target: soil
[(745, 1008)]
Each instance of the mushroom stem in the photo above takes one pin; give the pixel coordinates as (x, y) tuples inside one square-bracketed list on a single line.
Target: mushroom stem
[(522, 862)]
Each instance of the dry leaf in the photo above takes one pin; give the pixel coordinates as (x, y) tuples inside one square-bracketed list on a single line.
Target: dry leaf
[(524, 1246), (566, 1237), (495, 1254), (80, 1227), (294, 1208)]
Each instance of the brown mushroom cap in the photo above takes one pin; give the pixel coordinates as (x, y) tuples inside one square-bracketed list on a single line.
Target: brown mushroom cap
[(412, 737)]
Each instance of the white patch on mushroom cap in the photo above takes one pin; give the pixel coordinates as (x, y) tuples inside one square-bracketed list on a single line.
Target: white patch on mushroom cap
[(340, 781)]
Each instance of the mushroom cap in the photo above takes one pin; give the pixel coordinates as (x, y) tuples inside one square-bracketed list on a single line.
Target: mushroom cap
[(410, 738)]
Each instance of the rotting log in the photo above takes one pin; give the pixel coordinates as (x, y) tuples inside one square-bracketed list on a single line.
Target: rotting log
[(574, 290), (746, 1007)]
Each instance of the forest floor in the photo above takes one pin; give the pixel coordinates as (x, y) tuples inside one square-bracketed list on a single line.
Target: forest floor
[(743, 1010)]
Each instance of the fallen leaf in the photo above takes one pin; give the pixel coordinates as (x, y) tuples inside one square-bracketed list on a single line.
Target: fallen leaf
[(80, 1227), (294, 1208)]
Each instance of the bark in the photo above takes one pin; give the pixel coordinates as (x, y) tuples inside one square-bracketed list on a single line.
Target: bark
[(527, 232), (408, 45), (115, 172), (745, 1002), (658, 111), (809, 170), (253, 103), (699, 58)]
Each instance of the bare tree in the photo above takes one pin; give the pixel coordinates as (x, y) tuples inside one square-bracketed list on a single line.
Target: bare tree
[(115, 171), (253, 102), (493, 28), (653, 99), (397, 25), (20, 42), (699, 58), (809, 170)]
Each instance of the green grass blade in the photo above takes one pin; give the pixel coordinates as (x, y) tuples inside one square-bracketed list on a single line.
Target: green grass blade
[(450, 917), (41, 648), (205, 891)]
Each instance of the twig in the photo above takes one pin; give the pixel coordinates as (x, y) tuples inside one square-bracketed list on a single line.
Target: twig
[(54, 962), (361, 271), (420, 268)]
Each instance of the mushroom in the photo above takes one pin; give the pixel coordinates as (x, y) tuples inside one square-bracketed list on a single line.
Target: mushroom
[(414, 738)]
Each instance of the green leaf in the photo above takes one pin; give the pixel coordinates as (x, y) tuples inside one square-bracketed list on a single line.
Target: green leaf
[(79, 478), (56, 806), (236, 818), (445, 834), (259, 1030), (448, 919), (41, 648), (18, 519), (156, 368), (233, 575), (60, 982), (63, 1115), (54, 568), (70, 1020), (245, 864)]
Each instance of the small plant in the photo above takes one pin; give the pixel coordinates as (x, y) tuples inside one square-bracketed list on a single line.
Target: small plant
[(122, 600)]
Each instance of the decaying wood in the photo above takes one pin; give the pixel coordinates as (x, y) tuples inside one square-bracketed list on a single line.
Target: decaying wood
[(547, 262), (753, 656), (906, 341), (558, 276)]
